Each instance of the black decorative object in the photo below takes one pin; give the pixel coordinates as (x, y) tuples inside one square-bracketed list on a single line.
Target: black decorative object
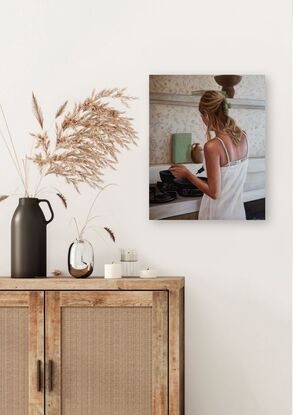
[(29, 239)]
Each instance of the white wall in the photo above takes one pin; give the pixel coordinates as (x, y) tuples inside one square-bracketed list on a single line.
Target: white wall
[(237, 274)]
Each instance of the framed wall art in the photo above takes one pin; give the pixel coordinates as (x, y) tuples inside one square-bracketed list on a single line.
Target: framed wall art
[(207, 147)]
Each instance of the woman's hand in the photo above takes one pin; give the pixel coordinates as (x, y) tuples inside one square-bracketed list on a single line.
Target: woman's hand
[(179, 171)]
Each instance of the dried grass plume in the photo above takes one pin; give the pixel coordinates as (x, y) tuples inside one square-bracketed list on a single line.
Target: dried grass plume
[(37, 111), (110, 233), (87, 139), (62, 198)]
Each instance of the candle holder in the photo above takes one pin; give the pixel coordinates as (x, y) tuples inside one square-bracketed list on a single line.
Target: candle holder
[(148, 273), (129, 262)]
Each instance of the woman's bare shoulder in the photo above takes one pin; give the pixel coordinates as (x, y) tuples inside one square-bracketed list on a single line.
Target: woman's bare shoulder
[(211, 146)]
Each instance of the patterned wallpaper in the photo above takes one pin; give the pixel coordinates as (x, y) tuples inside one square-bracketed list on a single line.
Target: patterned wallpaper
[(168, 119)]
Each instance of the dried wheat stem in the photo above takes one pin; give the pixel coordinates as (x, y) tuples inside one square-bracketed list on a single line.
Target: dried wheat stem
[(46, 188), (12, 145), (8, 149), (30, 157), (60, 110), (27, 171), (91, 208), (76, 225), (110, 233), (3, 197), (25, 178), (11, 156), (42, 175), (97, 232), (37, 111)]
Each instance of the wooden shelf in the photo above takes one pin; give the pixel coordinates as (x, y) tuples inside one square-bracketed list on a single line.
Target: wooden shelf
[(193, 101), (92, 283)]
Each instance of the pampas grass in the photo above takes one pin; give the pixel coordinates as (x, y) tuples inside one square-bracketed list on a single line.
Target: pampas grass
[(86, 140)]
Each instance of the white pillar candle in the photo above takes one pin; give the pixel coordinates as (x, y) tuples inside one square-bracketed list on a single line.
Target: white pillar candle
[(148, 273), (113, 270)]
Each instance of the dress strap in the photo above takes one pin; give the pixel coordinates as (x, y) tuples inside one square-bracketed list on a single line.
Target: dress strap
[(225, 148)]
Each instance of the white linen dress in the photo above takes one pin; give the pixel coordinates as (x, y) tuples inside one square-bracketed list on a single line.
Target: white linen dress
[(230, 204)]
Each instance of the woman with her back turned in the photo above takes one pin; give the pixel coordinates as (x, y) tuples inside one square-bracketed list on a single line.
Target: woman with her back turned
[(225, 162)]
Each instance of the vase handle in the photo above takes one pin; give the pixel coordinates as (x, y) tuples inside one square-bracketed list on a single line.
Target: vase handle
[(50, 208)]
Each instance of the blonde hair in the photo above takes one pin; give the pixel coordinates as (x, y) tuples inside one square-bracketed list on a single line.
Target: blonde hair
[(215, 105)]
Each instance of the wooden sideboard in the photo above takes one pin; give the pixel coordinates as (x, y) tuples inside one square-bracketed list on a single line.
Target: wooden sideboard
[(92, 346)]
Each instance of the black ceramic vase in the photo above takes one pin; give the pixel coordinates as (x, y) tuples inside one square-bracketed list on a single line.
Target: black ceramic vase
[(29, 239)]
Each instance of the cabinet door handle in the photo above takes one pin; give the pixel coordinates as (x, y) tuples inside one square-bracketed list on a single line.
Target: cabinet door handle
[(50, 375), (38, 375)]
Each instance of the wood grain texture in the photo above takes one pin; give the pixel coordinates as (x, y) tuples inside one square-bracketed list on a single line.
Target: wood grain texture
[(53, 351), (160, 353), (14, 299), (176, 352), (14, 396), (106, 298), (92, 283), (36, 351)]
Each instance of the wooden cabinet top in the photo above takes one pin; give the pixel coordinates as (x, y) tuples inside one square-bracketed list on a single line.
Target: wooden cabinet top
[(92, 283)]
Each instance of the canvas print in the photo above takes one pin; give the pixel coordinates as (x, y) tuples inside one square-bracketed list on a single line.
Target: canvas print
[(207, 147)]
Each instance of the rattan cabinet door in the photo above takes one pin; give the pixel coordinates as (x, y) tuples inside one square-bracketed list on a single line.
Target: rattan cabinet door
[(107, 353), (21, 353)]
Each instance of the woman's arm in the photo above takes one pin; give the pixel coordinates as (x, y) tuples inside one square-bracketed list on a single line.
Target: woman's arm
[(212, 187)]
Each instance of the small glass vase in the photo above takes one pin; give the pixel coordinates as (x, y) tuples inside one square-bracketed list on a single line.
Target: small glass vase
[(80, 258)]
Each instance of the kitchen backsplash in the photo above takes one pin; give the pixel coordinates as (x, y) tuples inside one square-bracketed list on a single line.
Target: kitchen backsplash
[(168, 119)]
